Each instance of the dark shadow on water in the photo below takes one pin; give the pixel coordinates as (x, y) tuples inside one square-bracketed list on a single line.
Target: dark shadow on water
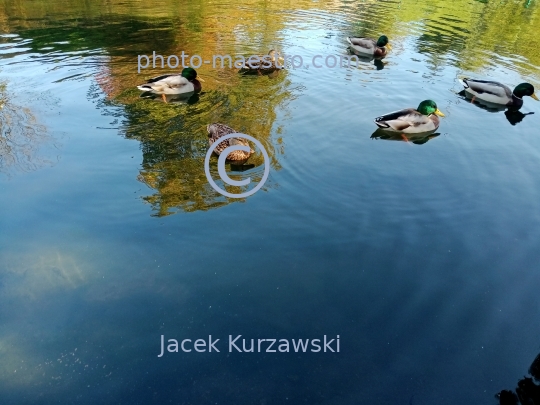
[(527, 391), (515, 117), (235, 167), (417, 139)]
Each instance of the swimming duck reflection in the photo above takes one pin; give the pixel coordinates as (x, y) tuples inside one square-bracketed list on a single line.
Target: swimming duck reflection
[(512, 114), (186, 98), (270, 74), (527, 391), (515, 117), (379, 64), (362, 58), (417, 139), (236, 167)]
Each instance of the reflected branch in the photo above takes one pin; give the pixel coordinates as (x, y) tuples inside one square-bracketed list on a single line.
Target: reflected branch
[(21, 136), (527, 391)]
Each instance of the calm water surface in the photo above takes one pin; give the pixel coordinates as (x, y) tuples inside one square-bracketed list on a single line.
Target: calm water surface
[(422, 256)]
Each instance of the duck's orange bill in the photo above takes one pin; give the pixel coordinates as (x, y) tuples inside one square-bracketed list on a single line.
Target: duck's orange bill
[(535, 97)]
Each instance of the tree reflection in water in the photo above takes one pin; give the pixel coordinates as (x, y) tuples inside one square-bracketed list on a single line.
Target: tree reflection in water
[(527, 391), (21, 136)]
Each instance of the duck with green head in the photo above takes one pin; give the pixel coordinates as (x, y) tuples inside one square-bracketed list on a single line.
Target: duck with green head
[(410, 121), (498, 93), (369, 46), (185, 82)]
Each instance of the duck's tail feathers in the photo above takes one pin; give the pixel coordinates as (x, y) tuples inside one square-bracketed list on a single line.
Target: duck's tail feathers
[(152, 87), (349, 40), (463, 80)]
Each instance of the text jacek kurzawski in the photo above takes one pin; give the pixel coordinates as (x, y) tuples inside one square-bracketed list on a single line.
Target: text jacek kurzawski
[(238, 344)]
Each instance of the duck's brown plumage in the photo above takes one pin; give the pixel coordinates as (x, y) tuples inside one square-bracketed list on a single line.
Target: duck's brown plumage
[(216, 131), (267, 64)]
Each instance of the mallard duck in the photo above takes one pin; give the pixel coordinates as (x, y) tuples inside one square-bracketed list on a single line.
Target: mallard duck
[(411, 121), (497, 93), (369, 46), (216, 131), (266, 64), (185, 82)]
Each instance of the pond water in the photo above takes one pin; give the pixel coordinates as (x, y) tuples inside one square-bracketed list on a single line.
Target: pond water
[(421, 255)]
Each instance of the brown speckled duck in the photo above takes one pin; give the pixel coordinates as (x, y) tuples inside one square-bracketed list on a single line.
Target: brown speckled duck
[(216, 131), (266, 64)]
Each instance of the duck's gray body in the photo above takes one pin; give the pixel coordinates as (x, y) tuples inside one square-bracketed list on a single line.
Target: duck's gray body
[(407, 121), (491, 91)]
